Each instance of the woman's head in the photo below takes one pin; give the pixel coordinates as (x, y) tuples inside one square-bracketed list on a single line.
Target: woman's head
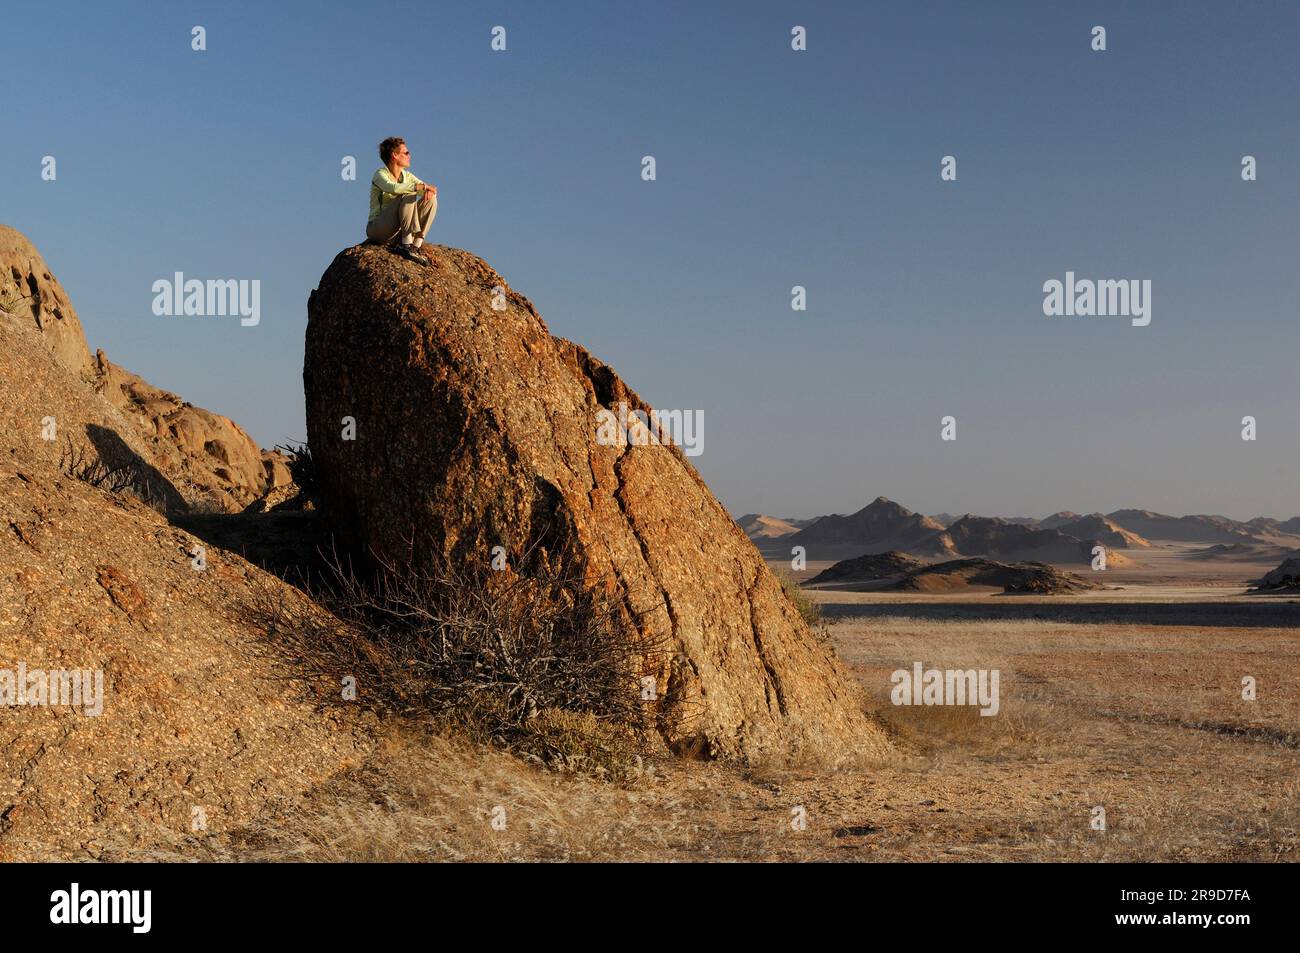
[(393, 151)]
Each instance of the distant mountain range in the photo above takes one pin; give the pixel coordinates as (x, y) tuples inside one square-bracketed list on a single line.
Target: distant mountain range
[(1199, 529), (1064, 537)]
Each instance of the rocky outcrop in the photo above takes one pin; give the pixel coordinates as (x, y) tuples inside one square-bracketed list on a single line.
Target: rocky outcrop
[(1097, 527), (444, 419), (212, 455), (206, 459), (899, 572), (199, 723), (885, 526), (870, 568), (1285, 578), (30, 295), (1059, 519)]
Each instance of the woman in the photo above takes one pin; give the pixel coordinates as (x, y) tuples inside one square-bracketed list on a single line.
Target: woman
[(401, 206)]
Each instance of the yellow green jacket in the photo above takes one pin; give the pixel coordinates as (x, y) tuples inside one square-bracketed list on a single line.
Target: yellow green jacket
[(383, 188)]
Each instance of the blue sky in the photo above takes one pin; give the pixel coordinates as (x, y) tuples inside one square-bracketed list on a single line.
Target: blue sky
[(775, 168)]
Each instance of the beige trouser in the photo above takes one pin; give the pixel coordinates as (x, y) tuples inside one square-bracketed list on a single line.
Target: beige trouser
[(409, 214)]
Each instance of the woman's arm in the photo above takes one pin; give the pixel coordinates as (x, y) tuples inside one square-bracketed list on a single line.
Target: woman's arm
[(384, 182)]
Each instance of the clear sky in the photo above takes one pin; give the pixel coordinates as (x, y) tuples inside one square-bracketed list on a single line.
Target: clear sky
[(775, 168)]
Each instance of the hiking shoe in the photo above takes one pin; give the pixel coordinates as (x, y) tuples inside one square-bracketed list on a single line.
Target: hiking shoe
[(410, 254)]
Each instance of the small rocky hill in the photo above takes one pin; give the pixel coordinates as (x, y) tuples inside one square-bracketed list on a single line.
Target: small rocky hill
[(878, 527), (1285, 578), (996, 538), (868, 568), (885, 526), (899, 572), (1028, 578), (1059, 519)]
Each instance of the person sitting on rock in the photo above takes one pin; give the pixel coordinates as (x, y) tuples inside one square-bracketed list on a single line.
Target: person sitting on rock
[(401, 206)]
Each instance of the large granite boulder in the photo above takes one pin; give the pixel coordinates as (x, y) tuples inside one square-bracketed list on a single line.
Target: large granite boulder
[(442, 426)]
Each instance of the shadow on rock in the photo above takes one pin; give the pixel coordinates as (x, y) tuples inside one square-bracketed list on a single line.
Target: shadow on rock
[(142, 478)]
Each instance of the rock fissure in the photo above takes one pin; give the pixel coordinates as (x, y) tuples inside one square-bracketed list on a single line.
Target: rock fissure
[(768, 669), (642, 544)]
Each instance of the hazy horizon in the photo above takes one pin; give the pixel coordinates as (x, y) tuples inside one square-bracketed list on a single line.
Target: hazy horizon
[(775, 168), (959, 513)]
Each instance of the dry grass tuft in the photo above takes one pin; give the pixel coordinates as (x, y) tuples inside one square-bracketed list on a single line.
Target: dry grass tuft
[(809, 611)]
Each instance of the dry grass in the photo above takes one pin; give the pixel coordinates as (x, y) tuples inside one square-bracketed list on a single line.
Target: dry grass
[(1145, 723), (809, 609), (1148, 724), (434, 796)]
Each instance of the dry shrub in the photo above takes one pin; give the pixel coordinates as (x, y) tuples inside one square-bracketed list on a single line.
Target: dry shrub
[(545, 664), (10, 300)]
